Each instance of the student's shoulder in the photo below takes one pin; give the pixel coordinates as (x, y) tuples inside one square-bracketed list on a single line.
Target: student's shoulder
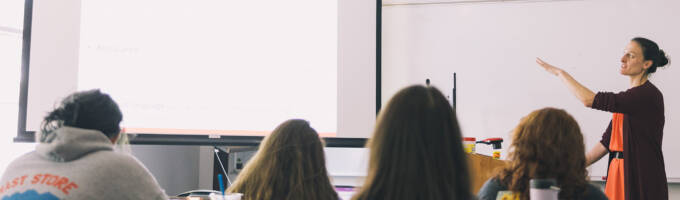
[(125, 169), (22, 162), (12, 168), (28, 157), (493, 182), (490, 189), (594, 193)]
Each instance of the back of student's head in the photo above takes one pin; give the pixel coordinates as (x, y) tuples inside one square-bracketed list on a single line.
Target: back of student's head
[(416, 150), (290, 164), (547, 144), (90, 109)]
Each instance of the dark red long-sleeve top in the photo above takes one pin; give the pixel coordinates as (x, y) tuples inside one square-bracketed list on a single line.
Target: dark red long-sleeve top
[(643, 109)]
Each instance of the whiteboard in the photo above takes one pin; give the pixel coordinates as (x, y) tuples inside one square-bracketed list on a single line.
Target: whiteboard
[(491, 46)]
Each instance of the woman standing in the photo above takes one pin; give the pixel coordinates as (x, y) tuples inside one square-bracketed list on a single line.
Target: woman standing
[(634, 135)]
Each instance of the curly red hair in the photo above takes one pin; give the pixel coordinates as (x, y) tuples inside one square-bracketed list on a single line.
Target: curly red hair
[(547, 144)]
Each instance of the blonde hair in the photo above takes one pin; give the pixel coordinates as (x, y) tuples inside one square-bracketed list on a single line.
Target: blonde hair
[(289, 165)]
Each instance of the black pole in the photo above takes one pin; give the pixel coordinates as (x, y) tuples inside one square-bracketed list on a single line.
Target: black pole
[(22, 134), (453, 99), (378, 55)]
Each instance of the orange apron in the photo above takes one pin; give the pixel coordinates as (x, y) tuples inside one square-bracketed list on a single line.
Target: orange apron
[(615, 178)]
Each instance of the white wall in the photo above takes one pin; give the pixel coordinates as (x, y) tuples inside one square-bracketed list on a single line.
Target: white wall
[(492, 47), (435, 40), (356, 67), (11, 25), (175, 167)]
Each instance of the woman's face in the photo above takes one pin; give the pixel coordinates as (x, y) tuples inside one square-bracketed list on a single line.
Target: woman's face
[(632, 62)]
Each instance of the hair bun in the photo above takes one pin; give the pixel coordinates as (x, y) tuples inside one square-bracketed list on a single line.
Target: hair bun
[(662, 59)]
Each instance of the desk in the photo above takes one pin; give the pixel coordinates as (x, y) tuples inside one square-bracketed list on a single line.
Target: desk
[(481, 169)]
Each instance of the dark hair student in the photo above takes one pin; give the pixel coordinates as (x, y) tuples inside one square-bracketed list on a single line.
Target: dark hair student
[(76, 159), (416, 150), (90, 109)]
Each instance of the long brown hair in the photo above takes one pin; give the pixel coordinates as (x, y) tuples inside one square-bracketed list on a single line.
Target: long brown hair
[(290, 164), (547, 144), (416, 150)]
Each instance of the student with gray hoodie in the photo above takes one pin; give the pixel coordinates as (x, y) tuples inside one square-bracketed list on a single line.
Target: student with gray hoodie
[(75, 157)]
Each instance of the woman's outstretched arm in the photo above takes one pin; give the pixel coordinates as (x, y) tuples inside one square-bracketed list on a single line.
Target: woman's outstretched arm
[(581, 92)]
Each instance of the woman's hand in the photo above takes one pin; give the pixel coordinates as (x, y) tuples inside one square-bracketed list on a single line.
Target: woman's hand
[(548, 67), (581, 92)]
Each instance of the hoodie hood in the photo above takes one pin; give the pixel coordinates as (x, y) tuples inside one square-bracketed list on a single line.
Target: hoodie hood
[(69, 143)]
